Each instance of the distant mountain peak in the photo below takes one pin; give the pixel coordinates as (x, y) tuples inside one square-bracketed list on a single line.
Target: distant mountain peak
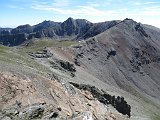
[(24, 26), (128, 19), (69, 20)]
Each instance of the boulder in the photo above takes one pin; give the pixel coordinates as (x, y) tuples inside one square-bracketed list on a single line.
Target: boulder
[(67, 66)]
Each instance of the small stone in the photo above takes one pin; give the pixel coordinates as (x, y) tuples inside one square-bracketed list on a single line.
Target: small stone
[(59, 108), (54, 115)]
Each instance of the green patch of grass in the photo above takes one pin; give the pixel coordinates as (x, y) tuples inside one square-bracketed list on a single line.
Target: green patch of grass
[(3, 49), (156, 117), (38, 45), (16, 56)]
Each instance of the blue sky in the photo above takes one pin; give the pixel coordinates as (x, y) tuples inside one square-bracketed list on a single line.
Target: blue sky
[(18, 12)]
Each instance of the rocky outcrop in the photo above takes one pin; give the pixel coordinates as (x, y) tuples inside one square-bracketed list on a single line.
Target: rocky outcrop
[(63, 66), (119, 103), (141, 30), (67, 66), (40, 54), (144, 56), (111, 53), (30, 112), (77, 57)]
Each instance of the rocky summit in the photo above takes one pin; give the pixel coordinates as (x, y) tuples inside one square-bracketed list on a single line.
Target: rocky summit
[(78, 70)]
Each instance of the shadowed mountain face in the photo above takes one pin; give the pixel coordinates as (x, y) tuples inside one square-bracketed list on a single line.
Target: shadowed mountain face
[(74, 29), (5, 29)]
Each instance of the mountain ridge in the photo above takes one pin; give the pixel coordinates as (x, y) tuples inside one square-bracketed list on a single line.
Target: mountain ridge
[(70, 29), (74, 29)]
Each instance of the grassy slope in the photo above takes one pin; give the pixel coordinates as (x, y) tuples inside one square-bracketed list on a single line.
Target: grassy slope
[(19, 55), (156, 117), (38, 45)]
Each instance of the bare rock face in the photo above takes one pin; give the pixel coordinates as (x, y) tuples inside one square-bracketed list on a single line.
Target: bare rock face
[(58, 103)]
